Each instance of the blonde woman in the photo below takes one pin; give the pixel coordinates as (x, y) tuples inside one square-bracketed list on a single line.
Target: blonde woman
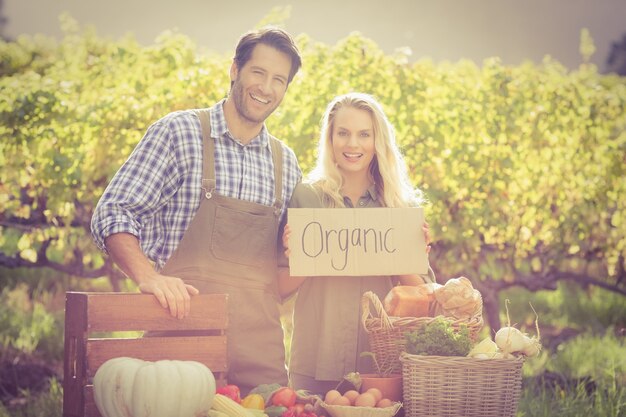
[(359, 166)]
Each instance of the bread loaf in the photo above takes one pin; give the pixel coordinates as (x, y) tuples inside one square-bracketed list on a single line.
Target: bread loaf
[(459, 299), (410, 301)]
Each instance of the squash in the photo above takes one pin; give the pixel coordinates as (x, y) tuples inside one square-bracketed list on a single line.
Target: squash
[(409, 301), (129, 387)]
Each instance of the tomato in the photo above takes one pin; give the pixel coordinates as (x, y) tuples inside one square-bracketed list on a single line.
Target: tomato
[(230, 391), (284, 396)]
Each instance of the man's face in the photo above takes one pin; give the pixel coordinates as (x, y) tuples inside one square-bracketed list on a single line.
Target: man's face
[(259, 87)]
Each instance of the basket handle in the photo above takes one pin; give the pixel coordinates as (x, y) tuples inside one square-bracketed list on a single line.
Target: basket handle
[(370, 297)]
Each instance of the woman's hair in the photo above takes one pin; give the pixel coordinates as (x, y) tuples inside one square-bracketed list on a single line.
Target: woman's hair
[(270, 36), (387, 170)]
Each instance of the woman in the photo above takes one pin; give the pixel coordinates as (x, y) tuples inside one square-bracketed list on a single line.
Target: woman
[(359, 165)]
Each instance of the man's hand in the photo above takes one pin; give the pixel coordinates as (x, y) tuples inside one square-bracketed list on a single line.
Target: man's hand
[(171, 292)]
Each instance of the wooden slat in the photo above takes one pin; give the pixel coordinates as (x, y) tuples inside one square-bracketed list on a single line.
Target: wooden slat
[(118, 312), (91, 410), (209, 350), (74, 354), (133, 311)]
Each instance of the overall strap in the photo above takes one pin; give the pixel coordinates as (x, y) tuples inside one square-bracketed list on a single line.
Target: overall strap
[(277, 158), (208, 162)]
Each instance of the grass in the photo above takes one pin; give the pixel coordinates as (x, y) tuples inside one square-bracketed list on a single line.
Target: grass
[(595, 367), (595, 350), (545, 402)]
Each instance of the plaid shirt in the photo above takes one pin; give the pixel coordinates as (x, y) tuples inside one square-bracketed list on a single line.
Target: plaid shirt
[(156, 192)]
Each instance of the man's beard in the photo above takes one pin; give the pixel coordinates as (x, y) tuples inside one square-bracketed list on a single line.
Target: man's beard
[(239, 99)]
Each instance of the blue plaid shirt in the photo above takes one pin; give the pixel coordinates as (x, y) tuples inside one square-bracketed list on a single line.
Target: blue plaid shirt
[(156, 192)]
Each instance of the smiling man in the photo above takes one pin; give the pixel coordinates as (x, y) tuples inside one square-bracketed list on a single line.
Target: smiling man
[(197, 206)]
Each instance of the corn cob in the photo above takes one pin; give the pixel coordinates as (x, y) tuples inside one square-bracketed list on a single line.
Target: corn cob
[(256, 412), (214, 413), (227, 406)]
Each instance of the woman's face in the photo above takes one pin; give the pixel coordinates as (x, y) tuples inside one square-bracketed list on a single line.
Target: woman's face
[(353, 140)]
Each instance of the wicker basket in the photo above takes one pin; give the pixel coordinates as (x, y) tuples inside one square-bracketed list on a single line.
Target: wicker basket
[(386, 333), (451, 386), (352, 411)]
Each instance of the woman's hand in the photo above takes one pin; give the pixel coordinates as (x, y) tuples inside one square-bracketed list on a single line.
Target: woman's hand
[(287, 284), (286, 234), (426, 230)]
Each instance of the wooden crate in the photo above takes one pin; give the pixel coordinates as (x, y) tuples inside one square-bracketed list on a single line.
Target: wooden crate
[(90, 318)]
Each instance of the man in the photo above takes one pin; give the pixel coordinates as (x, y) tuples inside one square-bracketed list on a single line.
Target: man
[(197, 205)]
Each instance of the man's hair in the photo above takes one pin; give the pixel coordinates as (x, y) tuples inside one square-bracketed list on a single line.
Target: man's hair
[(270, 36)]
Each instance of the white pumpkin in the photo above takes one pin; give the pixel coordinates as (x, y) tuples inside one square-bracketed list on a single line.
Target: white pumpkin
[(129, 387)]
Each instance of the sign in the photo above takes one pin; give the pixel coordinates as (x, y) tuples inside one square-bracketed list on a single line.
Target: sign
[(353, 242)]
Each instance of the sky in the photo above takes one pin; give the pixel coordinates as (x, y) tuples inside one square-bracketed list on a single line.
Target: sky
[(443, 30)]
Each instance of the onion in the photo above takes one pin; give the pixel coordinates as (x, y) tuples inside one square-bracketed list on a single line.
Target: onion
[(533, 348), (511, 340)]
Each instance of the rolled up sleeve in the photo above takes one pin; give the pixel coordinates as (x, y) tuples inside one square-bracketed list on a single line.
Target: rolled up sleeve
[(136, 190)]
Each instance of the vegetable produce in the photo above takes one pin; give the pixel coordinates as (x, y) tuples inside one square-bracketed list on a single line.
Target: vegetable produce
[(214, 413), (229, 406), (351, 395), (378, 395), (384, 403), (256, 412), (331, 396), (230, 391), (255, 401), (511, 340), (294, 411), (365, 399), (342, 401), (266, 391), (350, 381), (275, 410), (485, 349), (284, 396), (372, 397), (129, 387), (300, 410), (439, 338)]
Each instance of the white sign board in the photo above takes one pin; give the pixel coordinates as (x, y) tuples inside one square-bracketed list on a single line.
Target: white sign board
[(353, 242)]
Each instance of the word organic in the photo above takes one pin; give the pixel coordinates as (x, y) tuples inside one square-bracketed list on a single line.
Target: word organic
[(352, 242), (332, 241)]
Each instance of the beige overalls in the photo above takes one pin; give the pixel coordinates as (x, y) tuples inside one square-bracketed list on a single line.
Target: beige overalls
[(230, 247)]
